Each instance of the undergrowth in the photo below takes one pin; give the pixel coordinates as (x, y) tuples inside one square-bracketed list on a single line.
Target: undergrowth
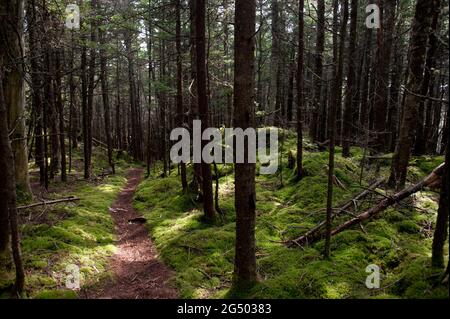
[(202, 255), (78, 233)]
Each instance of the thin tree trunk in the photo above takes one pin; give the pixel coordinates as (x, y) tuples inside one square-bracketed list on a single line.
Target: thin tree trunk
[(60, 108), (300, 88), (14, 87), (418, 46), (197, 181), (384, 48), (208, 205), (11, 33), (105, 98), (36, 81), (441, 230), (430, 64), (332, 127), (179, 98), (351, 87), (318, 67), (245, 194)]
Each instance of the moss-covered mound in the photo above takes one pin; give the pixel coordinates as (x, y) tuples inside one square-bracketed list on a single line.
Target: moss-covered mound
[(202, 255)]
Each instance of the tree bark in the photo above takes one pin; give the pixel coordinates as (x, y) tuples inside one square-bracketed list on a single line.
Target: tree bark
[(105, 97), (11, 37), (351, 85), (417, 52), (300, 88), (179, 98), (318, 67), (441, 230), (426, 88), (245, 195), (384, 48), (11, 33), (60, 107), (208, 205), (336, 99), (36, 83)]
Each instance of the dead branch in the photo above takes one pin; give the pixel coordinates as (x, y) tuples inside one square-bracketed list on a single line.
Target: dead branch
[(311, 233), (434, 99), (429, 180), (100, 143), (385, 203), (52, 202)]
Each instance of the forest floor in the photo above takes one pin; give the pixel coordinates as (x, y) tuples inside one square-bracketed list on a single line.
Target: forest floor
[(138, 274), (398, 241), (94, 235)]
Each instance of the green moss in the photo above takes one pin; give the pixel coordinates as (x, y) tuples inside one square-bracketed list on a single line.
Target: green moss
[(79, 233), (56, 294), (408, 226), (202, 255)]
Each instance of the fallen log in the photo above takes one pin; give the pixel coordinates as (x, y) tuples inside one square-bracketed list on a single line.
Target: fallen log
[(52, 202), (312, 232), (387, 202), (103, 145)]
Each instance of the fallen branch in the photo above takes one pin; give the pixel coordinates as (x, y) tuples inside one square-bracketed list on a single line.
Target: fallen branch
[(379, 158), (338, 183), (435, 99), (311, 233), (52, 202), (385, 203), (323, 144), (429, 180)]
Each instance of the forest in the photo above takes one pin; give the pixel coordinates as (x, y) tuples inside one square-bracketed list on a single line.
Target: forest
[(345, 101)]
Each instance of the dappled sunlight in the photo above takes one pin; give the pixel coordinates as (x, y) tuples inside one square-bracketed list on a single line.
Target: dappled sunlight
[(202, 255), (81, 234)]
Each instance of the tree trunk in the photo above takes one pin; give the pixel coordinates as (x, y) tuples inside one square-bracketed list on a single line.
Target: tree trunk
[(105, 98), (418, 46), (318, 66), (245, 196), (11, 33), (393, 105), (364, 107), (36, 83), (336, 99), (441, 230), (300, 88), (197, 181), (208, 204), (179, 98), (60, 108), (430, 64), (275, 57), (384, 47), (351, 85), (14, 87)]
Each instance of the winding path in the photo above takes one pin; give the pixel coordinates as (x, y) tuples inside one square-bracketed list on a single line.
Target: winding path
[(138, 272)]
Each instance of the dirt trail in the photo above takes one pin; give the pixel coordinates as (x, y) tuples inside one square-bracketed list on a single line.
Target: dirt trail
[(138, 272)]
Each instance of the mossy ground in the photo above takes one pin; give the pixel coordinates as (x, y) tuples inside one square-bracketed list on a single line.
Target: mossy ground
[(202, 255), (79, 233), (399, 241)]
